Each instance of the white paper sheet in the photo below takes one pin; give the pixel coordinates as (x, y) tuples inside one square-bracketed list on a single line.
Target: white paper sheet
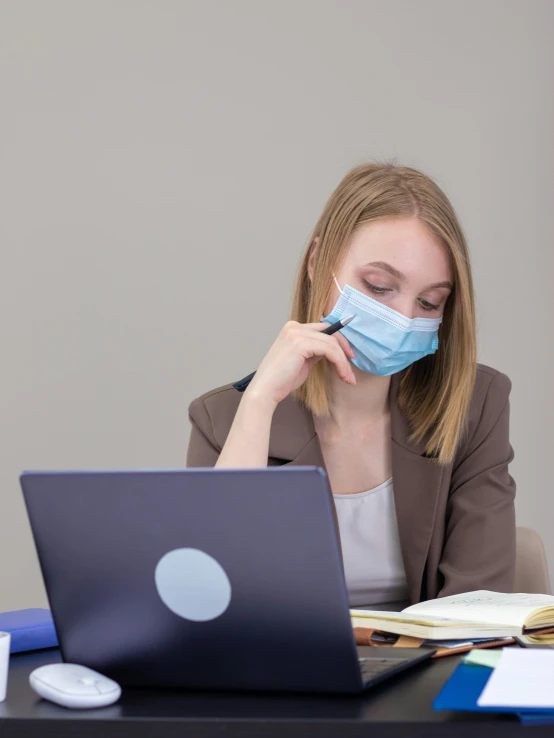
[(523, 678)]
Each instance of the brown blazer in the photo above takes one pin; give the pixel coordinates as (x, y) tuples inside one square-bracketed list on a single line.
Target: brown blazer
[(456, 523)]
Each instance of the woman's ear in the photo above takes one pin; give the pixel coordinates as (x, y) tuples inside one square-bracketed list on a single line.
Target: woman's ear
[(311, 259)]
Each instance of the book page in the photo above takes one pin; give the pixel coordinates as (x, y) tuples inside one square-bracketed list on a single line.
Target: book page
[(482, 606)]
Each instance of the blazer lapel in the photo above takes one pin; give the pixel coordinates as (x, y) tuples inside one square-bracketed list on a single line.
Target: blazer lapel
[(416, 482), (416, 478), (310, 455)]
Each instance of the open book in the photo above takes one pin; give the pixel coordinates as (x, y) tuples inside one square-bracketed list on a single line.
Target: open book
[(480, 614)]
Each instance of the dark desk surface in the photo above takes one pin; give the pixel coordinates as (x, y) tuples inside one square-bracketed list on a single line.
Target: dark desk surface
[(400, 707)]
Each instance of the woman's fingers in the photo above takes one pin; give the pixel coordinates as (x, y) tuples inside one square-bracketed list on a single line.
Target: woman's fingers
[(314, 326), (290, 358), (326, 346), (320, 327), (346, 347)]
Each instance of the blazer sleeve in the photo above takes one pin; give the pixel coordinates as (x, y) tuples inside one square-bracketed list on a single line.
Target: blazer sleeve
[(480, 537), (203, 450)]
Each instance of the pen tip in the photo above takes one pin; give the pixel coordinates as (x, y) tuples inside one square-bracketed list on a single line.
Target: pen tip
[(346, 321)]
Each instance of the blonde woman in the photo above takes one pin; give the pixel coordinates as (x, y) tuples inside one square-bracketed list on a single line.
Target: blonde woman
[(412, 431)]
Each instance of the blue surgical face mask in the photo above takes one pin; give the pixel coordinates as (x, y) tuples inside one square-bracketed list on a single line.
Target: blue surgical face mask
[(384, 341)]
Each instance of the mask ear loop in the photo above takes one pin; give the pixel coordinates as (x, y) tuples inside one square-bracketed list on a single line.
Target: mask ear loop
[(338, 285)]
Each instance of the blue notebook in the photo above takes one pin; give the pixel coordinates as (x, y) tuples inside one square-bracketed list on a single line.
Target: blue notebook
[(464, 688), (29, 629)]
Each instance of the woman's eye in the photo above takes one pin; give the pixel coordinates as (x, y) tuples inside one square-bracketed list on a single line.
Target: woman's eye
[(375, 289), (427, 305), (382, 290)]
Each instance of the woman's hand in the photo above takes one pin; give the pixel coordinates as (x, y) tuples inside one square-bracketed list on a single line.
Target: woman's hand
[(289, 360), (284, 368)]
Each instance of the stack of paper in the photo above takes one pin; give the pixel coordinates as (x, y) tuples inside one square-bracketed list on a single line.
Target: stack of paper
[(510, 680), (523, 678)]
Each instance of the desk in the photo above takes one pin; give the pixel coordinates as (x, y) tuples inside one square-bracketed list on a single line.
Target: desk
[(401, 707)]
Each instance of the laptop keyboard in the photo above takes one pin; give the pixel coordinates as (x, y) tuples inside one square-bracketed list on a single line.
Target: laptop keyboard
[(376, 666)]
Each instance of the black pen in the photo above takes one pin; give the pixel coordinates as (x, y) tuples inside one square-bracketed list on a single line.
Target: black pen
[(242, 384)]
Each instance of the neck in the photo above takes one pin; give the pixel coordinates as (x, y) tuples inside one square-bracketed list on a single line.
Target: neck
[(368, 399)]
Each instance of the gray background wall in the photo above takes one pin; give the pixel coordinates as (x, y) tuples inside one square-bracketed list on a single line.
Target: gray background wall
[(165, 161)]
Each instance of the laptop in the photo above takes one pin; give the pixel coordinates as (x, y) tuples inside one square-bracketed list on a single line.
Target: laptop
[(226, 579)]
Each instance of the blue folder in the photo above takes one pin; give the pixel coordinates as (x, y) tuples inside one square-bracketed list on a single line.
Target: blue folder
[(29, 629), (464, 688)]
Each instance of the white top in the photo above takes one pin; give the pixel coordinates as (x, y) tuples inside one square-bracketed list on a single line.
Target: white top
[(373, 565)]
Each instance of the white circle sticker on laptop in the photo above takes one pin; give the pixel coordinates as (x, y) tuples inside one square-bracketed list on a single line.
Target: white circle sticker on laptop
[(192, 584)]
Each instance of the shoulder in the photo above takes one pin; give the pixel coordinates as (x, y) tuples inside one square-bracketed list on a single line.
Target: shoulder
[(490, 392), (489, 402), (214, 412)]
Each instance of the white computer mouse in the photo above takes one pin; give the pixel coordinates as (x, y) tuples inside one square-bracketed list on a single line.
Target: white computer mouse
[(74, 686)]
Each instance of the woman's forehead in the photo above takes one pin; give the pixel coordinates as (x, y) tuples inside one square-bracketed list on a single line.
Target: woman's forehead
[(407, 246)]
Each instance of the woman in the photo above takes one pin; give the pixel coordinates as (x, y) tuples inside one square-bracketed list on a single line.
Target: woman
[(412, 432)]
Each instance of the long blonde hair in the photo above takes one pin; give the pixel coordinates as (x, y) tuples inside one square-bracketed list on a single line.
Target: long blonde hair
[(434, 393)]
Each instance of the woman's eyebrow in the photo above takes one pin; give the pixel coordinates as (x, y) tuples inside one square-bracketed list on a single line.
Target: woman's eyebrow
[(395, 273)]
